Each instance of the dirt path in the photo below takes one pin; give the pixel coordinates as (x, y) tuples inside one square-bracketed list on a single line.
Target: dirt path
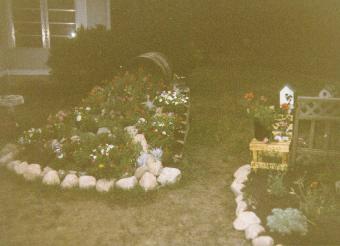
[(198, 212)]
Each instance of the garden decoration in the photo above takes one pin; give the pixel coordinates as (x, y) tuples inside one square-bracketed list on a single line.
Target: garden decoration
[(273, 155), (316, 130), (273, 130), (8, 103), (120, 136)]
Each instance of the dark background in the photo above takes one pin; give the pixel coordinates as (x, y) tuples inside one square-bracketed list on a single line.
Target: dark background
[(299, 35)]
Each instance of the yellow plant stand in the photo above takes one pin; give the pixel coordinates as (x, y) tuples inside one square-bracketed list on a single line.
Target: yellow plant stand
[(273, 155)]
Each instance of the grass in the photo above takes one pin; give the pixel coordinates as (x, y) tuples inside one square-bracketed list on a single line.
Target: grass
[(197, 211)]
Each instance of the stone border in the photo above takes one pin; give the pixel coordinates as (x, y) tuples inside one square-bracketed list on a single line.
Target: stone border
[(247, 221), (150, 176)]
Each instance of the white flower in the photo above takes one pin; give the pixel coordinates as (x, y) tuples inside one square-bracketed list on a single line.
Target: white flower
[(78, 118), (164, 132), (88, 108)]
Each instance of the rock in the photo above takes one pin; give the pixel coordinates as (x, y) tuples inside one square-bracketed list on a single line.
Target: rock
[(32, 172), (131, 130), (45, 171), (127, 183), (20, 168), (70, 181), (87, 182), (12, 164), (103, 130), (237, 188), (140, 171), (242, 173), (51, 178), (140, 138), (154, 166), (245, 219), (169, 175), (6, 158), (61, 173), (263, 241), (241, 207), (148, 181), (337, 187), (239, 198), (104, 185), (253, 231)]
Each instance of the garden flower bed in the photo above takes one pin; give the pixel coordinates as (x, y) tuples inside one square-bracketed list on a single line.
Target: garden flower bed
[(124, 130)]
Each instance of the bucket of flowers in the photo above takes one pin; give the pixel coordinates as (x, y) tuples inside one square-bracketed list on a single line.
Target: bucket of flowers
[(263, 115)]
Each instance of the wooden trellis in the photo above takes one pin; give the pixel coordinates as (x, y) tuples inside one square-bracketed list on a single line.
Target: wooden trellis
[(316, 137)]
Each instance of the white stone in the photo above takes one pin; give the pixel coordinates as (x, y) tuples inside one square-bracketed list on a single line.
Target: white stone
[(103, 130), (154, 166), (131, 130), (32, 172), (6, 158), (104, 185), (239, 198), (140, 171), (51, 178), (169, 175), (237, 188), (20, 168), (45, 171), (245, 219), (241, 207), (253, 231), (263, 241), (87, 182), (127, 183), (9, 148), (140, 138), (148, 181), (12, 164), (242, 172), (70, 181)]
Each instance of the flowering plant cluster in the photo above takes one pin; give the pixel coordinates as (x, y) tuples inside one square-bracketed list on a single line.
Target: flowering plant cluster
[(91, 137), (278, 121)]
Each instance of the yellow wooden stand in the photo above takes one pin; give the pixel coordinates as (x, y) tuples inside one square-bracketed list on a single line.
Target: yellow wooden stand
[(260, 149)]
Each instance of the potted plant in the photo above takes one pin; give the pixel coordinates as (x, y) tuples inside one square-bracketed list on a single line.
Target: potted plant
[(263, 115)]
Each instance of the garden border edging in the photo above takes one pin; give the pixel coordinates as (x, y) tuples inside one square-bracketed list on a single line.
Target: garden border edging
[(245, 220)]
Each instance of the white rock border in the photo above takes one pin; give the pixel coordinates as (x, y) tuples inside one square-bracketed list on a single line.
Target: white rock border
[(245, 220), (73, 179)]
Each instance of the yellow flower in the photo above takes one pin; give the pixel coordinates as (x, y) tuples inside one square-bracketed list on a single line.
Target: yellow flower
[(101, 165)]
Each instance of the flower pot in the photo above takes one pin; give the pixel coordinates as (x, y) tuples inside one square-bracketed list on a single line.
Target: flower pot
[(261, 131)]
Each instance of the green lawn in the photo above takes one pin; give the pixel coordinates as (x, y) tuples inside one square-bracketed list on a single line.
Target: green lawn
[(198, 211)]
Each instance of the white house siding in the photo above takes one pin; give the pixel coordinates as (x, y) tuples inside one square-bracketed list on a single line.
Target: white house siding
[(32, 61)]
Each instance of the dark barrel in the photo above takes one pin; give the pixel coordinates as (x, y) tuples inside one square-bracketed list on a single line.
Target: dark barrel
[(155, 61)]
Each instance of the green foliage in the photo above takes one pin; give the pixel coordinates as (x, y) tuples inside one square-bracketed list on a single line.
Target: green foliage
[(275, 185), (287, 221), (70, 139), (315, 199)]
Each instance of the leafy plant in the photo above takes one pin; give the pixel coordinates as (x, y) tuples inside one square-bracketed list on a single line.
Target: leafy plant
[(275, 185), (287, 221), (316, 200)]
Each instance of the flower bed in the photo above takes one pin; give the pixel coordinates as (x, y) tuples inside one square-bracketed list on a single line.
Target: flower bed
[(298, 207), (125, 129)]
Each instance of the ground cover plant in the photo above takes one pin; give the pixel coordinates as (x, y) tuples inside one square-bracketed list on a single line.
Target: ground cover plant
[(92, 137)]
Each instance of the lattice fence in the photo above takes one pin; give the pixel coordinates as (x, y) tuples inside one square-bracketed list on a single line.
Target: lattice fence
[(316, 131)]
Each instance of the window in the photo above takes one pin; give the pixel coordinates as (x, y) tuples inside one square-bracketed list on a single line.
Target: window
[(27, 23), (39, 23), (61, 19)]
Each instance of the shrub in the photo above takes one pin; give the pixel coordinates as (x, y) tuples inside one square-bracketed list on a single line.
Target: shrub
[(275, 185), (287, 221), (91, 56)]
